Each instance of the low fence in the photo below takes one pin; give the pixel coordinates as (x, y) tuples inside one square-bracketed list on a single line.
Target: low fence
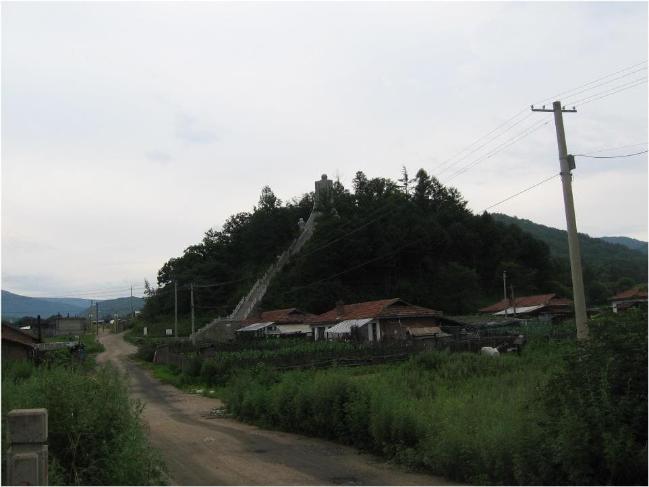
[(358, 354)]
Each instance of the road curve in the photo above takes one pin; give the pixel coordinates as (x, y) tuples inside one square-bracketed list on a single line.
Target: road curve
[(200, 450)]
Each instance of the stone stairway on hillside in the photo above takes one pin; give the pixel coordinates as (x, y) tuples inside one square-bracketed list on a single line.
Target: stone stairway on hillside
[(250, 301), (248, 304)]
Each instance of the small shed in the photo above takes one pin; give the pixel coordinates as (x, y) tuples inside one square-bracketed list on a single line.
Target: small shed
[(17, 345)]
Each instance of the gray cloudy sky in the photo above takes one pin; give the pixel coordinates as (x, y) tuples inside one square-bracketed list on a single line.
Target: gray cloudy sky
[(129, 129)]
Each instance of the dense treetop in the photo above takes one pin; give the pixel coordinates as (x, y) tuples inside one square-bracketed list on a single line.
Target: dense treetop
[(412, 238)]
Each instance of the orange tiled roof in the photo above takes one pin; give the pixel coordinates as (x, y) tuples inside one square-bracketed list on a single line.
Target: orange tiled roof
[(525, 301), (382, 308), (287, 315), (633, 293)]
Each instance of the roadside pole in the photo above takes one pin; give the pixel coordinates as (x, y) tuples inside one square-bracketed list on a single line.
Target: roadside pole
[(176, 309), (505, 291), (567, 164), (191, 289)]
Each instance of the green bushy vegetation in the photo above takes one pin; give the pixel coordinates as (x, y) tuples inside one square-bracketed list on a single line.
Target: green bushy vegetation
[(419, 243), (608, 267), (562, 413), (96, 436)]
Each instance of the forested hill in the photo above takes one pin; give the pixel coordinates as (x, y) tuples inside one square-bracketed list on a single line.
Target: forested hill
[(385, 239), (413, 239), (631, 243), (609, 266)]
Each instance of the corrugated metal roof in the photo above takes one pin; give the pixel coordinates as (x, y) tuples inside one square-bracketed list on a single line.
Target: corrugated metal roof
[(299, 328), (427, 331), (256, 326), (347, 325), (520, 310)]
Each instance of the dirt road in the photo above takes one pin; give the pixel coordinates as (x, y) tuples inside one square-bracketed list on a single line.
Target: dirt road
[(200, 450)]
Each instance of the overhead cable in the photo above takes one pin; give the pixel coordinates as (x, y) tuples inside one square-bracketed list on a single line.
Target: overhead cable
[(523, 191)]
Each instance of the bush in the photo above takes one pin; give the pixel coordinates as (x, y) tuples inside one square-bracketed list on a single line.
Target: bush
[(596, 407), (95, 432), (559, 413)]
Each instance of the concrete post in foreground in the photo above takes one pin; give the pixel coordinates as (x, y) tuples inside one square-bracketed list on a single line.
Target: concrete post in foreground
[(27, 455)]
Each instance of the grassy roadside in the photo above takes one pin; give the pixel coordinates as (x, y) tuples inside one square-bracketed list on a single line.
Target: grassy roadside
[(96, 435), (561, 413)]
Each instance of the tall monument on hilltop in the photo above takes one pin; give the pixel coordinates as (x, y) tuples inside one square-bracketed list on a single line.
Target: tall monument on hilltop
[(324, 193)]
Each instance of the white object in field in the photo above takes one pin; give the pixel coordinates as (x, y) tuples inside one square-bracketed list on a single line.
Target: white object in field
[(169, 332), (145, 331), (492, 352)]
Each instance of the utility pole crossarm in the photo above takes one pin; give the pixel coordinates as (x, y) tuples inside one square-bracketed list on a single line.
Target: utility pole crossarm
[(563, 109)]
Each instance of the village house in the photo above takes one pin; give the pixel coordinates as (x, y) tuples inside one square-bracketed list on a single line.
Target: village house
[(631, 298), (541, 306), (381, 320), (16, 344), (279, 322)]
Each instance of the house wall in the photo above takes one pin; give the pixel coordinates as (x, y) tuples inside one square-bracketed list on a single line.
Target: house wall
[(65, 326), (395, 329), (15, 351)]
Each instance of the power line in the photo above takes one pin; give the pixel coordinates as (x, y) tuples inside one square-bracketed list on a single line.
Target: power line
[(485, 144), (523, 191), (521, 135), (435, 171), (612, 157), (564, 93), (606, 93), (362, 264), (618, 147)]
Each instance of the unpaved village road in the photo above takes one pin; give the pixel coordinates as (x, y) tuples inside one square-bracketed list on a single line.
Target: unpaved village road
[(220, 451)]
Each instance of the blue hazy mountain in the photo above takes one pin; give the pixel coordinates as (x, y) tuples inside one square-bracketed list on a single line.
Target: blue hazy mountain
[(15, 306)]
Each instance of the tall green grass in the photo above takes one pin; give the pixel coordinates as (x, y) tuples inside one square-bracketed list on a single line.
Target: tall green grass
[(560, 413), (96, 436)]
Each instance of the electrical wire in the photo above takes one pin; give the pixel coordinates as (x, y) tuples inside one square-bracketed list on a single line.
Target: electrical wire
[(521, 192), (606, 93), (564, 93), (362, 264), (612, 157), (525, 133), (485, 144), (478, 140), (618, 147)]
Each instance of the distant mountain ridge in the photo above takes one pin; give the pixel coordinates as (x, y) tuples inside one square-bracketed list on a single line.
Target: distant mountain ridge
[(615, 262), (631, 243), (15, 306)]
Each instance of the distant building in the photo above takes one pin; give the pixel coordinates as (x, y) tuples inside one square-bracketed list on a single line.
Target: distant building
[(543, 306), (278, 322), (631, 298), (16, 344), (381, 320)]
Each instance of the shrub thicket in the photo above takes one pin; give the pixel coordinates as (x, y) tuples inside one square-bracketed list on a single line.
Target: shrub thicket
[(561, 413), (96, 436)]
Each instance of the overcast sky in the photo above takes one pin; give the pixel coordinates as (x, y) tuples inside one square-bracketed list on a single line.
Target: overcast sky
[(129, 129)]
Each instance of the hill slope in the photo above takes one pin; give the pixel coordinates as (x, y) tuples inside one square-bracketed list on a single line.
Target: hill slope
[(15, 306), (631, 243), (118, 306), (419, 243), (609, 266)]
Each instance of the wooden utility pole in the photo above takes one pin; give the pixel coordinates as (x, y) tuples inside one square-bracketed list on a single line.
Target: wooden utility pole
[(176, 309), (132, 312), (191, 290), (97, 313), (505, 290), (567, 164)]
